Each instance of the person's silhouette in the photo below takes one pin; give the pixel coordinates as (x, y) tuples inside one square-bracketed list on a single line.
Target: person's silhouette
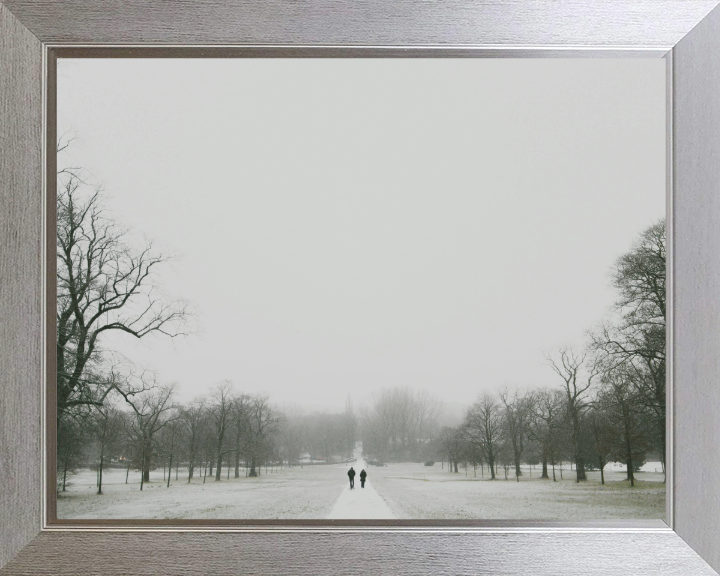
[(351, 475), (363, 475)]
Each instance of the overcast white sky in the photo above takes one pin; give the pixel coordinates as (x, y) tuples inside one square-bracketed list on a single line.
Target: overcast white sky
[(347, 225)]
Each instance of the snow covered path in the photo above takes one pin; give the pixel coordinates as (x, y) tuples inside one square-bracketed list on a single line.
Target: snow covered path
[(360, 503)]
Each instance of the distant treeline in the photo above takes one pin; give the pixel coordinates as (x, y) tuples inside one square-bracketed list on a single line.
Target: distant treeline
[(223, 433)]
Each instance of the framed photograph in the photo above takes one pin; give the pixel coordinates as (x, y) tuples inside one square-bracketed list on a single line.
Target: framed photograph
[(444, 250)]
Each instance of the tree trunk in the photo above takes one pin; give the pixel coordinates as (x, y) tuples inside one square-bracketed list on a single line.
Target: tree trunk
[(630, 471), (218, 470), (253, 472), (145, 462), (544, 466), (580, 468), (127, 473), (516, 455), (169, 470), (100, 476), (579, 462)]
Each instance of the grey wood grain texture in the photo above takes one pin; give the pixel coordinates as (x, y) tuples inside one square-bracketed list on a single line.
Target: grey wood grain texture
[(376, 553), (696, 101), (535, 22), (20, 284)]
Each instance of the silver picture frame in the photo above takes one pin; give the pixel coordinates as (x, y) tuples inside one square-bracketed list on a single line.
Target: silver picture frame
[(686, 33)]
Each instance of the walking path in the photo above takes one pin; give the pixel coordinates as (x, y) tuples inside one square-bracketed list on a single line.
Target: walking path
[(360, 503)]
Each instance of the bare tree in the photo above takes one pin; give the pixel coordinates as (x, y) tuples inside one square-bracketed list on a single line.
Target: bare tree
[(241, 425), (602, 437), (152, 411), (569, 367), (452, 443), (263, 422), (106, 427), (192, 419), (220, 411), (483, 427), (518, 411), (626, 415), (105, 283), (548, 415), (169, 441), (70, 450)]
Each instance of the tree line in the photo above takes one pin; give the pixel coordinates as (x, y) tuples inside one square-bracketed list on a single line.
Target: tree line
[(609, 404), (214, 436)]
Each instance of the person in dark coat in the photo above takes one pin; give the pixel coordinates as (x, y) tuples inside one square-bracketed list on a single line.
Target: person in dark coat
[(363, 475), (351, 475)]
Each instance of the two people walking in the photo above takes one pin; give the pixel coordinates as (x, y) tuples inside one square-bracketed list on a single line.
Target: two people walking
[(351, 475)]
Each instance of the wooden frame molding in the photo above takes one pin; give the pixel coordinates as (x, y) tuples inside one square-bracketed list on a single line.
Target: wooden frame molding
[(684, 32)]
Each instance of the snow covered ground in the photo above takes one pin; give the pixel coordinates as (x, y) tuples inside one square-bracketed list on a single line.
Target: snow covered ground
[(307, 492), (395, 491), (418, 491)]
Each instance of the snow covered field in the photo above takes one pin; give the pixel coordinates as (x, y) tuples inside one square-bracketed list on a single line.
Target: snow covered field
[(418, 491), (396, 490), (308, 492)]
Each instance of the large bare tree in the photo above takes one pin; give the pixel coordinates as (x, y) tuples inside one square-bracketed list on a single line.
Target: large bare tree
[(483, 427), (577, 374), (106, 281)]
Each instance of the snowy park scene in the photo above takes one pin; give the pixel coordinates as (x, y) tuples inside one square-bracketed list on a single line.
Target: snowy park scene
[(393, 491), (391, 289)]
